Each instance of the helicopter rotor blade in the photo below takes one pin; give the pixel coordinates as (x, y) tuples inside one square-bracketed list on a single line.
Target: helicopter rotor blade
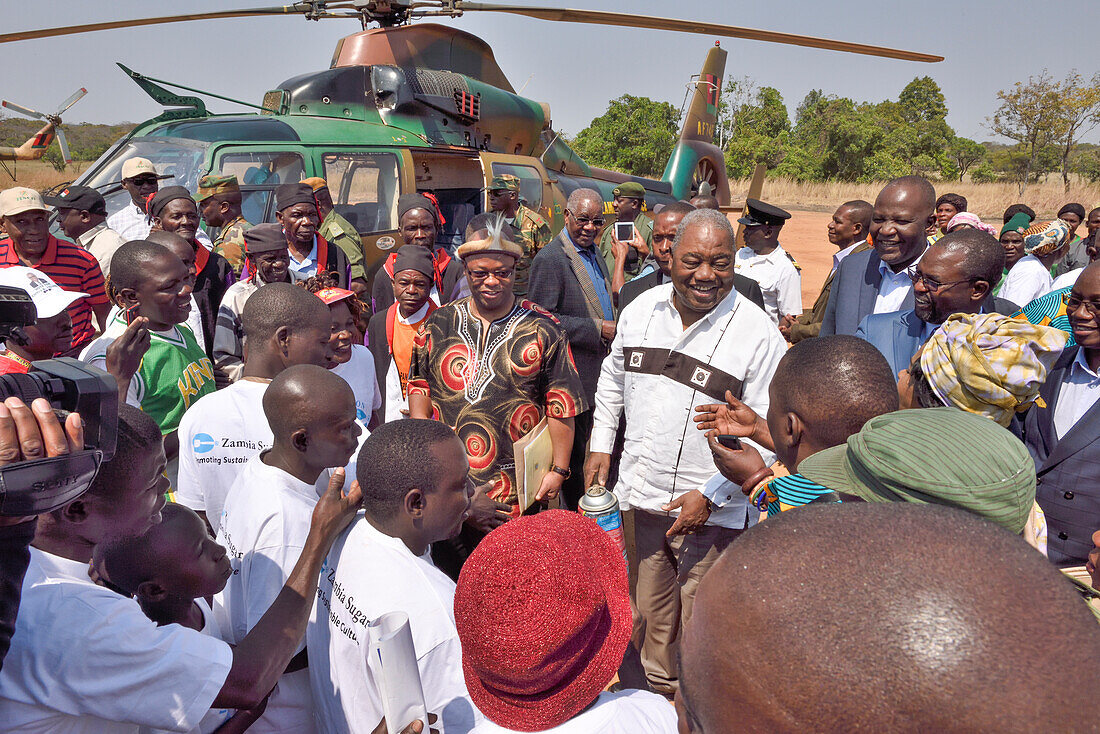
[(64, 144), (295, 9), (22, 110), (630, 20), (73, 99)]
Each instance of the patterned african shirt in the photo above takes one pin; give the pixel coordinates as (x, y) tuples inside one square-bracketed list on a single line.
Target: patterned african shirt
[(230, 242), (1049, 310), (534, 234), (493, 385)]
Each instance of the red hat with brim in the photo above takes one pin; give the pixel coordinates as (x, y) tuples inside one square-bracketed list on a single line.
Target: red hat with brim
[(333, 295), (543, 613)]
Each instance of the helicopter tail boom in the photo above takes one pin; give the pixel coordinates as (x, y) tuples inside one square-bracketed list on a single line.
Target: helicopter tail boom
[(696, 158)]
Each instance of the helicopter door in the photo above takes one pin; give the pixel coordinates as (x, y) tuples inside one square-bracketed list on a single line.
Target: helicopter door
[(534, 186)]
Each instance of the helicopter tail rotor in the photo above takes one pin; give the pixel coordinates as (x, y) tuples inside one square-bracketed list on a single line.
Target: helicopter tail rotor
[(54, 119)]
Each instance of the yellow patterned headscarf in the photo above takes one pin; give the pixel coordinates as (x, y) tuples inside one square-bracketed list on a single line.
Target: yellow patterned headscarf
[(990, 364)]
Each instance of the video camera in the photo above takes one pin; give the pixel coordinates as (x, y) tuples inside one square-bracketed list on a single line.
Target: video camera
[(42, 485)]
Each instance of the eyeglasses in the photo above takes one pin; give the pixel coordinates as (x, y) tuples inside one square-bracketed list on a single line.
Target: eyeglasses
[(502, 274), (934, 285), (585, 221), (1075, 302)]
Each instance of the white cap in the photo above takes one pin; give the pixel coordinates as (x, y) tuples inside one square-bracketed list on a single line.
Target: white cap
[(137, 167), (20, 199), (49, 298)]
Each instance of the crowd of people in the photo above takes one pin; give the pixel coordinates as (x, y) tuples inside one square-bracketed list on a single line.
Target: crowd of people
[(302, 452)]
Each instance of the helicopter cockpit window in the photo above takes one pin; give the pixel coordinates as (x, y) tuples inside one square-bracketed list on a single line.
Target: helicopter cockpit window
[(266, 169), (364, 189), (176, 157), (530, 182)]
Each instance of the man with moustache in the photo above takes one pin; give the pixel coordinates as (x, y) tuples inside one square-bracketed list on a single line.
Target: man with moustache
[(680, 345), (956, 275), (847, 230), (880, 280)]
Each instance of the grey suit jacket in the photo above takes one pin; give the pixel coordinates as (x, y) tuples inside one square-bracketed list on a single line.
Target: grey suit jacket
[(899, 334), (854, 290), (553, 284), (1068, 470)]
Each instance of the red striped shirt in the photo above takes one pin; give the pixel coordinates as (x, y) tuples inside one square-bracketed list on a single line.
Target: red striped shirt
[(74, 269)]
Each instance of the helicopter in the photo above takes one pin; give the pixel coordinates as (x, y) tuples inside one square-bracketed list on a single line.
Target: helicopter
[(406, 107), (53, 121)]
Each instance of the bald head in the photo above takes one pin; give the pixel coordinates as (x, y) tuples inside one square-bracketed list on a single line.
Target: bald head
[(131, 263), (171, 240), (918, 188), (704, 202), (277, 305), (904, 210), (878, 617), (306, 396), (835, 384)]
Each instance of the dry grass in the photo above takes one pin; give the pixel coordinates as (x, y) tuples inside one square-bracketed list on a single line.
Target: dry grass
[(38, 175), (986, 200)]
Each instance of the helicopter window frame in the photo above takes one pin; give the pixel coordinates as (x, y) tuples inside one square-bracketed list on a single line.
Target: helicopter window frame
[(380, 212), (530, 181)]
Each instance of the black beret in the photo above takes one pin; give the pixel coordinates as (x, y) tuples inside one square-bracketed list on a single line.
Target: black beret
[(264, 238), (414, 257), (407, 202), (290, 194), (165, 195)]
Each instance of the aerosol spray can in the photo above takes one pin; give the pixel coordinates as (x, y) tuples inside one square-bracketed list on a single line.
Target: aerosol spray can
[(601, 505)]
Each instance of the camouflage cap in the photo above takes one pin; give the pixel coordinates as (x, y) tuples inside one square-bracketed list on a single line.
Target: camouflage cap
[(505, 182), (316, 183), (211, 185), (629, 190)]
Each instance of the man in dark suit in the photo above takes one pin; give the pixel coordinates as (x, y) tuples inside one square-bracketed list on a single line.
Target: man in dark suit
[(848, 231), (569, 279), (878, 280), (956, 275), (664, 231), (1062, 436)]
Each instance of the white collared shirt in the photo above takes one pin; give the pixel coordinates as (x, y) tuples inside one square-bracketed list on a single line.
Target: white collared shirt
[(101, 241), (85, 659), (778, 278), (1027, 280), (263, 528), (665, 454), (895, 293), (368, 574), (1079, 391), (839, 256)]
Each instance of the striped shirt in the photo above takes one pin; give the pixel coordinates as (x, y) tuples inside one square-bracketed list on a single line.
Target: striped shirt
[(793, 490), (74, 269)]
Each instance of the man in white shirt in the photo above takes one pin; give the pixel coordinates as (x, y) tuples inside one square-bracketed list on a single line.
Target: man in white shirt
[(139, 178), (82, 216), (677, 346), (266, 519), (285, 326), (557, 571), (84, 658), (418, 492), (880, 280), (764, 260)]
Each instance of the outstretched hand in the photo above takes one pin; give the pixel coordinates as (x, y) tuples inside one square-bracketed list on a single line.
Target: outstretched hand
[(734, 418)]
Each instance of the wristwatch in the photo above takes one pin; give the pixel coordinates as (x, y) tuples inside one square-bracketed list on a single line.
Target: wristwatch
[(565, 473)]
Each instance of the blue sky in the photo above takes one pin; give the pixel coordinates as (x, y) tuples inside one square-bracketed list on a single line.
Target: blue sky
[(989, 44)]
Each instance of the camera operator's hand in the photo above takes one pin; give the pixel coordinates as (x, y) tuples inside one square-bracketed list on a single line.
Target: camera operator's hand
[(35, 433), (124, 354)]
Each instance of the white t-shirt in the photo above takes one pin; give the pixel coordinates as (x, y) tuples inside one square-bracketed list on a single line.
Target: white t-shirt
[(84, 658), (625, 712), (1027, 280), (373, 574), (217, 436), (214, 717), (359, 373), (779, 280), (264, 527)]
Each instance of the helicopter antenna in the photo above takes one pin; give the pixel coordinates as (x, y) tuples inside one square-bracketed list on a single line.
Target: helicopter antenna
[(520, 92)]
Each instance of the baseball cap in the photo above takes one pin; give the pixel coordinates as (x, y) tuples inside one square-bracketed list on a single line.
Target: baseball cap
[(133, 167), (81, 198), (19, 199), (49, 298), (941, 456)]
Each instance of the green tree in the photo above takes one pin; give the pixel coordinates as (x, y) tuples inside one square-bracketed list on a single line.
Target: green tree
[(1080, 114), (915, 128), (53, 157), (636, 135), (965, 153), (759, 133), (1029, 114)]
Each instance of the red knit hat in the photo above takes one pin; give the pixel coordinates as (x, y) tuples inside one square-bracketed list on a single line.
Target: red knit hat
[(543, 613)]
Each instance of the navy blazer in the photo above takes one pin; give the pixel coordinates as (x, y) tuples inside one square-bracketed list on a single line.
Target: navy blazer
[(855, 288), (1068, 470), (899, 334)]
